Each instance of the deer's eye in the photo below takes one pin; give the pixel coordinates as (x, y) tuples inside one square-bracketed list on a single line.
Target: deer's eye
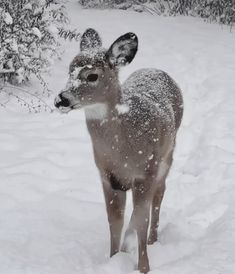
[(92, 77)]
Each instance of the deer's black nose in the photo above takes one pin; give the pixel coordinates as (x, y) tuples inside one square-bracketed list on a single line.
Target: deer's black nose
[(61, 101)]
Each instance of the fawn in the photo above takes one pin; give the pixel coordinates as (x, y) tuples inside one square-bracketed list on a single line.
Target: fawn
[(133, 129)]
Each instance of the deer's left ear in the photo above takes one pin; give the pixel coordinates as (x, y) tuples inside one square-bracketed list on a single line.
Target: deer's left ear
[(123, 50), (90, 40)]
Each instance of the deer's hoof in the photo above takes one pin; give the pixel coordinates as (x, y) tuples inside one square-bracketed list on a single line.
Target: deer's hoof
[(144, 268)]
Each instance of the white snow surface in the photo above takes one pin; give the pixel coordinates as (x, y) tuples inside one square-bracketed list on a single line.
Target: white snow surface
[(52, 212)]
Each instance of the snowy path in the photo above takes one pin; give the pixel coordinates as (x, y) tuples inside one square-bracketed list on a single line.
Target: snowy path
[(52, 214)]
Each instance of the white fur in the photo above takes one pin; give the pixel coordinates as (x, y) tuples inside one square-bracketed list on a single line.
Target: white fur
[(96, 111), (163, 168), (122, 109), (163, 165)]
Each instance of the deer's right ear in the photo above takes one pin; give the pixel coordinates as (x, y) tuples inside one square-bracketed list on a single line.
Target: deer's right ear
[(123, 50), (90, 40)]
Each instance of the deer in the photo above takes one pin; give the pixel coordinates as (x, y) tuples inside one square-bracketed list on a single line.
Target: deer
[(133, 129)]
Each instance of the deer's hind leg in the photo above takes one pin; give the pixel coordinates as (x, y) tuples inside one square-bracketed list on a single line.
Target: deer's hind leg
[(163, 171), (155, 211)]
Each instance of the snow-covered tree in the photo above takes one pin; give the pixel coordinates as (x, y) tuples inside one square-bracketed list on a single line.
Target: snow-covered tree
[(29, 32)]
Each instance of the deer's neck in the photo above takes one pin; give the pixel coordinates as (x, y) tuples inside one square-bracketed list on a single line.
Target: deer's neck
[(108, 109)]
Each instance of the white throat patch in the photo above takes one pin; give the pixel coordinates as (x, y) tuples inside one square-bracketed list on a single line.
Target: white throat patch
[(96, 111)]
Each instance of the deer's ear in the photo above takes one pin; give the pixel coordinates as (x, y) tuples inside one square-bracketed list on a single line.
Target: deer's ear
[(90, 40), (123, 50)]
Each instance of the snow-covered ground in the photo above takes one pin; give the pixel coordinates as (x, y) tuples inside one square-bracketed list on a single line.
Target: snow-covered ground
[(52, 213)]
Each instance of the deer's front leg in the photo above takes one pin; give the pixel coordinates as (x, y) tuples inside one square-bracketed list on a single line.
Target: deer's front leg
[(142, 198), (115, 205)]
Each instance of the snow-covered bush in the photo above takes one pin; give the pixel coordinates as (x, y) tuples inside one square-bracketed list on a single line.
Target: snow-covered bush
[(29, 32), (222, 11), (117, 4)]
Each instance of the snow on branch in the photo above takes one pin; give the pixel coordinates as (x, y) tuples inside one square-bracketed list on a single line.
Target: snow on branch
[(28, 100), (29, 32)]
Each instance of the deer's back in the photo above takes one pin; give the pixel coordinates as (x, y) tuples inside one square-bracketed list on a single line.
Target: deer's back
[(153, 96)]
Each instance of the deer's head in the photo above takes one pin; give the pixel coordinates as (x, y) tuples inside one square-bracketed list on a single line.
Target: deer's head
[(93, 73)]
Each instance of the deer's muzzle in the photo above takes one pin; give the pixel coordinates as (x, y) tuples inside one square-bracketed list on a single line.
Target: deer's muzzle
[(61, 101)]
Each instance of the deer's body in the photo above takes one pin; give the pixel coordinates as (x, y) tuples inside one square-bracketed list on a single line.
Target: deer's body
[(133, 136), (133, 129)]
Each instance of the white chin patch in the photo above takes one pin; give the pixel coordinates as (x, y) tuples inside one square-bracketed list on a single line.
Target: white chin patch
[(96, 111), (64, 109)]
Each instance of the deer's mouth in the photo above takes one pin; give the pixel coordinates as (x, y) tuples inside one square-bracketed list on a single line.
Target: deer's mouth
[(63, 109), (76, 106), (64, 104)]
